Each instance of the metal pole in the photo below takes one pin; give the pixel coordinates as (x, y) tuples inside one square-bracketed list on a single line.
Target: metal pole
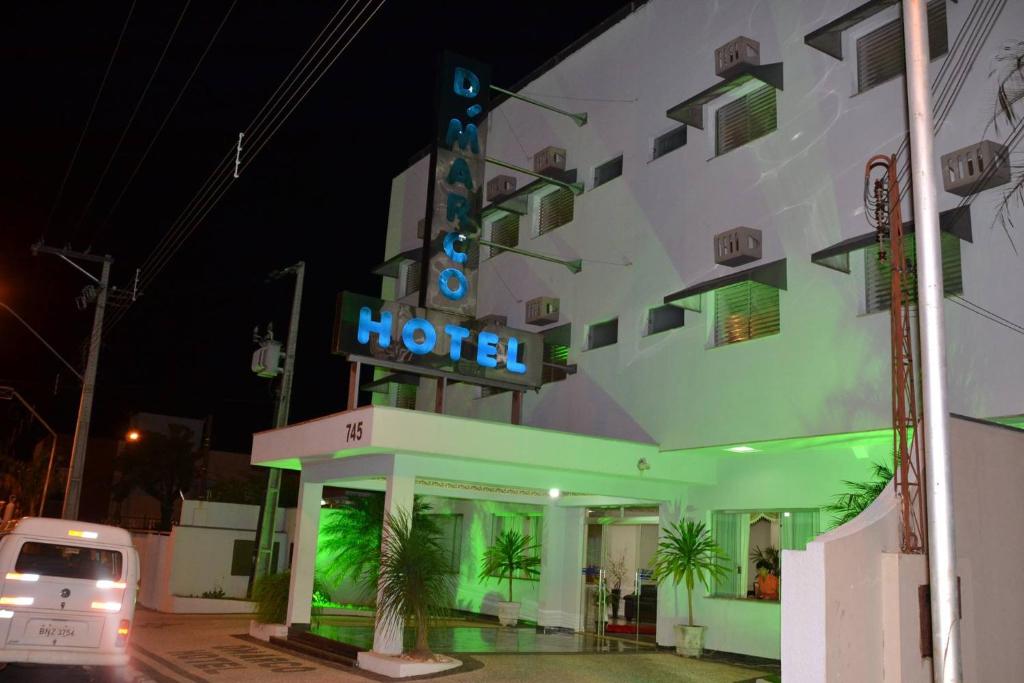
[(580, 118), (46, 481), (78, 448), (265, 551), (946, 662), (7, 392), (575, 188)]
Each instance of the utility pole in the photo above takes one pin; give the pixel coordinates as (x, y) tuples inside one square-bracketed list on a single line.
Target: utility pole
[(265, 533), (946, 659), (78, 448)]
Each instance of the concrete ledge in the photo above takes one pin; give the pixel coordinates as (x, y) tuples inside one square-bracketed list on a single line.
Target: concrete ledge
[(402, 667), (264, 632), (180, 605)]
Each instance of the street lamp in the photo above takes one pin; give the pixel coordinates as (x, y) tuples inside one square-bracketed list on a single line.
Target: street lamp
[(133, 436)]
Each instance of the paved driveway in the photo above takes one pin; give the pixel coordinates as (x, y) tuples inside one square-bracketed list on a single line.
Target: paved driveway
[(170, 648)]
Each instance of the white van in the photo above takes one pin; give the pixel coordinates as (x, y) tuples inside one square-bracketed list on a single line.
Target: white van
[(68, 593)]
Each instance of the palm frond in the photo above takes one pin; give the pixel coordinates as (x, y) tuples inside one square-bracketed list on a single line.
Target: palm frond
[(859, 495), (511, 556)]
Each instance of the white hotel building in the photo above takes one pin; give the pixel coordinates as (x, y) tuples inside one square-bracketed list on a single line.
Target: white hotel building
[(742, 395)]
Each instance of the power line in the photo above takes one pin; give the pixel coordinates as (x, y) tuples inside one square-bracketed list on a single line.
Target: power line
[(985, 313), (213, 189), (88, 120), (163, 123), (131, 119)]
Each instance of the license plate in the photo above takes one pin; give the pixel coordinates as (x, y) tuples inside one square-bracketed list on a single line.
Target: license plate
[(56, 632)]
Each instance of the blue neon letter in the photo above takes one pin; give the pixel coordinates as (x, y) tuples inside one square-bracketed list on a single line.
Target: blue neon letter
[(486, 349), (367, 325), (443, 282), (459, 173), (409, 336), (457, 334), (466, 84), (458, 209), (449, 247), (466, 137), (512, 363)]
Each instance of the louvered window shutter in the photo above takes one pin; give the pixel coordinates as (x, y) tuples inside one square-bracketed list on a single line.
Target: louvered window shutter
[(745, 119), (554, 354), (609, 170), (880, 53), (556, 209), (405, 396), (877, 274), (745, 310), (672, 140), (412, 278), (504, 231)]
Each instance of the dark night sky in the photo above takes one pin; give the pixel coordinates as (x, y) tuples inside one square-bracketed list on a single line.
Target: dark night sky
[(317, 192)]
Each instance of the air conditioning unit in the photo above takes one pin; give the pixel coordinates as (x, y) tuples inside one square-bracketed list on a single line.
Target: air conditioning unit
[(493, 320), (266, 360), (500, 186), (735, 55), (549, 158), (421, 227), (542, 311), (737, 246), (975, 168)]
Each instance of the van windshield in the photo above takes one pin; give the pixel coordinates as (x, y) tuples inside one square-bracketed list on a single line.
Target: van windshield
[(69, 561)]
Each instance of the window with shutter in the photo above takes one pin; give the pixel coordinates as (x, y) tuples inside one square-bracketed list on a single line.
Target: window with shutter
[(556, 209), (880, 53), (745, 119), (554, 354), (504, 231), (603, 334), (670, 141), (405, 396), (745, 310), (664, 318), (412, 278), (877, 274), (609, 170)]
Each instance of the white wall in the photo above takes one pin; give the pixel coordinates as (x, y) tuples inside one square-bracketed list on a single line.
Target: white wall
[(827, 372), (856, 617)]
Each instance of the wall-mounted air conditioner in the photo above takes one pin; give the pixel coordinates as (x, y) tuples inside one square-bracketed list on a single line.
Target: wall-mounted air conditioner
[(737, 246), (975, 168), (735, 55), (542, 311), (500, 186), (549, 158)]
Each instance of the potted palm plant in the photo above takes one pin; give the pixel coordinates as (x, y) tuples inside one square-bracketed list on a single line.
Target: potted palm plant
[(512, 555), (414, 581), (687, 553)]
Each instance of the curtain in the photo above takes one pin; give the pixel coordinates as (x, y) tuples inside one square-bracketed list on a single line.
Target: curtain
[(798, 529), (731, 531)]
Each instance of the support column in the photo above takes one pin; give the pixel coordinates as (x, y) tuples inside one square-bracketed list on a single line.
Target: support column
[(561, 561), (307, 530), (398, 495), (671, 598)]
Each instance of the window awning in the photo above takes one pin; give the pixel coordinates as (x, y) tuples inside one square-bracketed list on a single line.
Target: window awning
[(691, 111), (518, 202), (390, 267), (772, 274), (829, 38), (837, 257)]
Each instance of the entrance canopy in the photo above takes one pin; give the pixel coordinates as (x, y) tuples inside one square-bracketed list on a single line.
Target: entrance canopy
[(368, 442)]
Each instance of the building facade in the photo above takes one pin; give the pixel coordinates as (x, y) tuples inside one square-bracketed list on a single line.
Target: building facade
[(739, 381)]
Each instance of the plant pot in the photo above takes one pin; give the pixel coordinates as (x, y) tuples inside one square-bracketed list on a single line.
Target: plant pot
[(508, 613), (689, 640), (616, 596)]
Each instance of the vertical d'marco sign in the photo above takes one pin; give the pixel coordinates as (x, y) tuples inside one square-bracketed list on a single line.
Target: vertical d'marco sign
[(455, 192)]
